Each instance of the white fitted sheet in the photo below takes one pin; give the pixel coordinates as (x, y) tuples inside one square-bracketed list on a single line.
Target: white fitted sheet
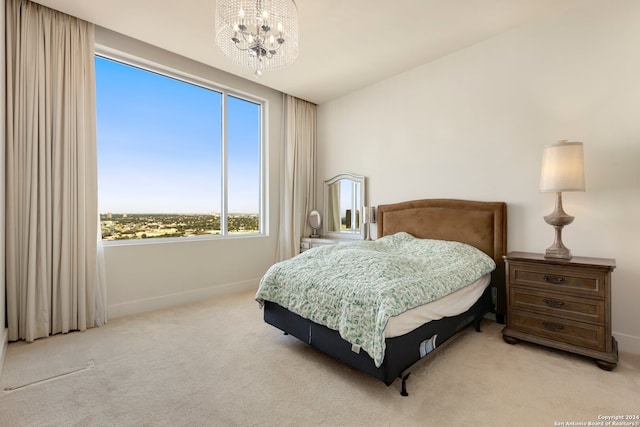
[(450, 305)]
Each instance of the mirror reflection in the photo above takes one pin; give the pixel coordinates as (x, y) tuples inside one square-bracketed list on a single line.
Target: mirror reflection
[(344, 198), (343, 204)]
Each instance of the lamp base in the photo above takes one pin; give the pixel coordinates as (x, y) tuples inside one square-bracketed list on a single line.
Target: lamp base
[(367, 231), (557, 252), (558, 219)]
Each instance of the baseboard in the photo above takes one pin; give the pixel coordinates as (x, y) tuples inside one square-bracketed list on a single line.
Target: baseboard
[(627, 343), (4, 341), (155, 303)]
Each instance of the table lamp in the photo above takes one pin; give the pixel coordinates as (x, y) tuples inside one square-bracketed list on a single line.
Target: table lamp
[(368, 217), (562, 170)]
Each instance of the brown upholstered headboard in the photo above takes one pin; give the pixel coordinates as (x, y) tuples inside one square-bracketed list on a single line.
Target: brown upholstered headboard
[(480, 224)]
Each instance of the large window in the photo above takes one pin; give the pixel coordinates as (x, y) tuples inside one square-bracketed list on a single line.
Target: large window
[(176, 158)]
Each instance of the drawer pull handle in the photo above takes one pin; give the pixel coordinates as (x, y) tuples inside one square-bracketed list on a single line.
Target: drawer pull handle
[(553, 327), (553, 303), (554, 279)]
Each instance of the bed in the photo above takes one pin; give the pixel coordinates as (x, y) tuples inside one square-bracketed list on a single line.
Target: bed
[(481, 225)]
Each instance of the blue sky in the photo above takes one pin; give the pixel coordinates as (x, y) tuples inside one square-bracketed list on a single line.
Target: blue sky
[(159, 145)]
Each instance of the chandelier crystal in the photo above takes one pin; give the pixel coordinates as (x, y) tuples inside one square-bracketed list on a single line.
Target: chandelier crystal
[(261, 35)]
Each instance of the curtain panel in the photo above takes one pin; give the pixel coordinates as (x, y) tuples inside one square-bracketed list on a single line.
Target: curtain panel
[(51, 173), (298, 183)]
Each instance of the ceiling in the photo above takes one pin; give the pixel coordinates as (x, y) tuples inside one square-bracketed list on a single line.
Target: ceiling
[(344, 44)]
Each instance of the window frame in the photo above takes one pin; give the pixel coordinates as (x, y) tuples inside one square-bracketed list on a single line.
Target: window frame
[(188, 78)]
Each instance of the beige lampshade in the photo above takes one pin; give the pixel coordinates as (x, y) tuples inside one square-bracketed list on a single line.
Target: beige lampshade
[(562, 167)]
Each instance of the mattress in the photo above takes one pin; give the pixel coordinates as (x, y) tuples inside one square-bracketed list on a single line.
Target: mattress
[(447, 306), (355, 288)]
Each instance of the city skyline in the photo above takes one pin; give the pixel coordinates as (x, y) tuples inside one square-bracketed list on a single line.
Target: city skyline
[(152, 226)]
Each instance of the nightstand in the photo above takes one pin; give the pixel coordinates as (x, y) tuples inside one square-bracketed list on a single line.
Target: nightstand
[(564, 304), (307, 243)]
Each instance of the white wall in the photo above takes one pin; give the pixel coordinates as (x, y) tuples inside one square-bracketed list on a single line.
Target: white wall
[(4, 335), (473, 125), (148, 276)]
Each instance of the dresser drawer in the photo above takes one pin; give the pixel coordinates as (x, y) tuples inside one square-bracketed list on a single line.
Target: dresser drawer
[(559, 279), (585, 335), (559, 305)]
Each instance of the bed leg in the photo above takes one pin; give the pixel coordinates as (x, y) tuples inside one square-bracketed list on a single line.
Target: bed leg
[(286, 333), (404, 385), (478, 324)]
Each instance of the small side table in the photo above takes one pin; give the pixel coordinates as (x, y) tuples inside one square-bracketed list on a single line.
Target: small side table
[(307, 243), (564, 304)]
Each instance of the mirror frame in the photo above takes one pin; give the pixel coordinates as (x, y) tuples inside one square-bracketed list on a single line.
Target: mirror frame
[(343, 234)]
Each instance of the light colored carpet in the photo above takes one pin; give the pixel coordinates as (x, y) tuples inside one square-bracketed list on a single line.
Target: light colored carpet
[(216, 363)]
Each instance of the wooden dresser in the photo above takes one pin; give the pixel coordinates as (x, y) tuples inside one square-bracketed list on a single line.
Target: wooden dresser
[(564, 304)]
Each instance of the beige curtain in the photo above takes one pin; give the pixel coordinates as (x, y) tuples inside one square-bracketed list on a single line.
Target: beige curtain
[(51, 205), (298, 181), (333, 208)]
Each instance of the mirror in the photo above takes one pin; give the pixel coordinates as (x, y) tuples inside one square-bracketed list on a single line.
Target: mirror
[(343, 201), (314, 221)]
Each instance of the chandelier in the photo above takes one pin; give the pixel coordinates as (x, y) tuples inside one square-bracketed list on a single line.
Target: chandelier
[(258, 34)]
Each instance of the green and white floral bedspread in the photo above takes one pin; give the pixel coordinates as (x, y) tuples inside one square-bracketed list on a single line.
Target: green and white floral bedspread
[(355, 288)]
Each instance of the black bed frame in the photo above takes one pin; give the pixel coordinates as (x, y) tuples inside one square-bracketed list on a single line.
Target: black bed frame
[(402, 352), (480, 224)]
